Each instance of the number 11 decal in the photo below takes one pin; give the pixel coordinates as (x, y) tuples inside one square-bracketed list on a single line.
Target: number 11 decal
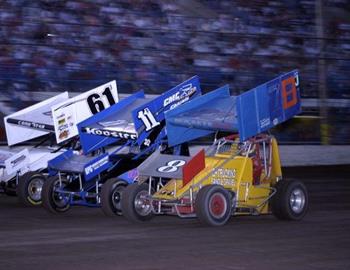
[(148, 119)]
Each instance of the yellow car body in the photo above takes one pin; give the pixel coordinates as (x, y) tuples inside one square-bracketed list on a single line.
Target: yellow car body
[(233, 171)]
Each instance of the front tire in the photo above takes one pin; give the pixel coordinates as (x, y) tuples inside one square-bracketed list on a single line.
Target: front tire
[(111, 194), (213, 205), (291, 200), (29, 188), (52, 200), (137, 203)]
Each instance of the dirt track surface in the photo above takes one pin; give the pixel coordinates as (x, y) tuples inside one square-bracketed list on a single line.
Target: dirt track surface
[(84, 238)]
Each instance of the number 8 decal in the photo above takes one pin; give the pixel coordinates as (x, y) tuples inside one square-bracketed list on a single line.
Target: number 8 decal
[(172, 166), (289, 92)]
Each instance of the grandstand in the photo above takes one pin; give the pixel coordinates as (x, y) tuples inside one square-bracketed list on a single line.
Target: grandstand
[(51, 46)]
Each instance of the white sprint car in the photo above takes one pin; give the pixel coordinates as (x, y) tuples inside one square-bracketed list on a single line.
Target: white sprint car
[(23, 170)]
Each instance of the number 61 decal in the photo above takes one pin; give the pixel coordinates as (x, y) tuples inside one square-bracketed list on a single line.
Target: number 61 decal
[(96, 103)]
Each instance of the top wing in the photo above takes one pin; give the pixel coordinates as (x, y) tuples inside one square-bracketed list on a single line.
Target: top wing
[(135, 118), (58, 114), (67, 114), (33, 121), (111, 125), (250, 113)]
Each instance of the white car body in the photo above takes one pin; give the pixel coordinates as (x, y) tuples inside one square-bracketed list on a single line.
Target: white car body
[(34, 159)]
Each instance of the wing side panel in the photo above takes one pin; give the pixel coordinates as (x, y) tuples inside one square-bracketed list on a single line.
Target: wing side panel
[(268, 105)]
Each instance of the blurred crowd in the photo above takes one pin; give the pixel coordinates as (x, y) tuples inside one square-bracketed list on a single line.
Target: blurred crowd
[(74, 45)]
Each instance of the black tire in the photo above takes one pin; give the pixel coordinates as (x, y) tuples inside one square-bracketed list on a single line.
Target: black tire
[(131, 203), (53, 201), (213, 205), (291, 200), (111, 194), (29, 188)]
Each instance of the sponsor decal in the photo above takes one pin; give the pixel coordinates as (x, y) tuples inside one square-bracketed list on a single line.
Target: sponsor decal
[(61, 121), (62, 127), (107, 133), (63, 134), (224, 177), (180, 96), (95, 166), (265, 122), (31, 124), (17, 160)]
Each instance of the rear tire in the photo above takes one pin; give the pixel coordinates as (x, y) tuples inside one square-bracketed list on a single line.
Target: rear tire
[(111, 194), (29, 188), (213, 205), (53, 201), (291, 200), (136, 203)]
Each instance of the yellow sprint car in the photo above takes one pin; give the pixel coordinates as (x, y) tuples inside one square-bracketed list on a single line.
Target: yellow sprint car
[(237, 175)]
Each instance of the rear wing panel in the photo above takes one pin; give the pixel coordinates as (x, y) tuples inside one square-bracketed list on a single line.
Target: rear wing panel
[(68, 114), (146, 123), (33, 121), (268, 105), (249, 114)]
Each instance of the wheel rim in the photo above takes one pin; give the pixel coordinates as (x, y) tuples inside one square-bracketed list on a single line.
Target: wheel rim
[(34, 189), (116, 197), (142, 203), (297, 200), (60, 200), (217, 205)]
